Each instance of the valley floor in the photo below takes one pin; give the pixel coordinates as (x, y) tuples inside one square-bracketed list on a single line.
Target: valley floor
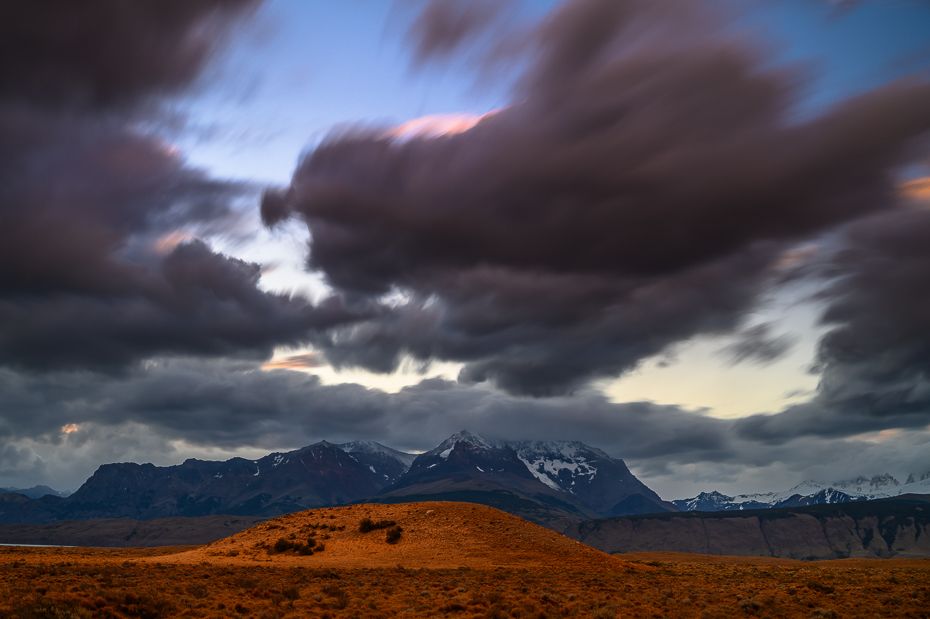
[(81, 582)]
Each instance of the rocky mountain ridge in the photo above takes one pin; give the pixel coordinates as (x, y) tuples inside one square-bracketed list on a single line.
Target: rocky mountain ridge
[(36, 492), (554, 483), (810, 492)]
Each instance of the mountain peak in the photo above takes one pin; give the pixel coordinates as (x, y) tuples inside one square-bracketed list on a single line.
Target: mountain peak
[(463, 436)]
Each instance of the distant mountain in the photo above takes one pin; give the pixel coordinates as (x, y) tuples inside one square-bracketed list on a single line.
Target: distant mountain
[(551, 483), (602, 482), (36, 492), (389, 463), (892, 527), (809, 493), (314, 476)]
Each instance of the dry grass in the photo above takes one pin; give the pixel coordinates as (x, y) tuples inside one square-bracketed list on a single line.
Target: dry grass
[(154, 583), (433, 535)]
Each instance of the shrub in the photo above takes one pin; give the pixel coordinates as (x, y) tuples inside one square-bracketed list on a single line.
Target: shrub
[(813, 585), (393, 535), (282, 545), (340, 597), (367, 525)]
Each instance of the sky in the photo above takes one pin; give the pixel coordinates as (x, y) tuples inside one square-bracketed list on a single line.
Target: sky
[(691, 233)]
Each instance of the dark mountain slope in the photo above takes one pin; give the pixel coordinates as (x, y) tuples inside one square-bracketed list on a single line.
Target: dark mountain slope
[(315, 476), (551, 483)]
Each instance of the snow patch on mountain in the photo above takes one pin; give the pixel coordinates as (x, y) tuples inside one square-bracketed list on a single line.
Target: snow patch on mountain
[(541, 476), (549, 461)]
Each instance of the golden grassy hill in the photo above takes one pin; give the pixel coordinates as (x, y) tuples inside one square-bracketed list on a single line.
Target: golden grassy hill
[(433, 535)]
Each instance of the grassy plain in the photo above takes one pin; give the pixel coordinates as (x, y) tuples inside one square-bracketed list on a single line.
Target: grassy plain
[(560, 578)]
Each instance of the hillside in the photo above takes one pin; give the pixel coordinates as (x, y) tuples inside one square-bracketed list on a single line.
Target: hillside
[(886, 528), (434, 535)]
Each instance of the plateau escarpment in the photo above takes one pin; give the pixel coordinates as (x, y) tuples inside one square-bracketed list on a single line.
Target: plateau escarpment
[(887, 528)]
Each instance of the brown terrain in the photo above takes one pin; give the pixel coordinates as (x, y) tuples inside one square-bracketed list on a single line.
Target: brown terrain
[(447, 560), (436, 535)]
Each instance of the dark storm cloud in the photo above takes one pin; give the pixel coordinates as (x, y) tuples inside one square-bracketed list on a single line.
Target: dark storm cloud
[(445, 26), (92, 209), (875, 361), (194, 302), (635, 193), (756, 344), (105, 52), (233, 404)]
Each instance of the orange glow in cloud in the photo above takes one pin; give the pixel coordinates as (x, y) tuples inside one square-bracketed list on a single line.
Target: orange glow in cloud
[(165, 244), (919, 188), (71, 427), (879, 437), (294, 362), (436, 125), (796, 256)]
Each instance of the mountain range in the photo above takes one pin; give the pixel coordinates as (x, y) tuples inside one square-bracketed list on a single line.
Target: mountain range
[(551, 483), (810, 493), (35, 492)]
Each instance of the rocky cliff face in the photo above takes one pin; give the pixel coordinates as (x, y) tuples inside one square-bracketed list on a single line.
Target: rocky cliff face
[(886, 528)]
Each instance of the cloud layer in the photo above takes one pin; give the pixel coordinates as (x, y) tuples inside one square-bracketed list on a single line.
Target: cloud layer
[(91, 273), (636, 192), (175, 408)]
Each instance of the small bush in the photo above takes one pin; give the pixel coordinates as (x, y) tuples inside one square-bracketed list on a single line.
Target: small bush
[(393, 535), (282, 545), (367, 525), (813, 585), (339, 595)]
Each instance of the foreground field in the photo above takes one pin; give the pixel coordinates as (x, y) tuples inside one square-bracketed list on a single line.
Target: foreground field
[(492, 565), (84, 583)]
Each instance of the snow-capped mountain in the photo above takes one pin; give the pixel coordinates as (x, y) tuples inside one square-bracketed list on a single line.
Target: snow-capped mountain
[(588, 473), (572, 472), (381, 460), (553, 483), (810, 493)]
